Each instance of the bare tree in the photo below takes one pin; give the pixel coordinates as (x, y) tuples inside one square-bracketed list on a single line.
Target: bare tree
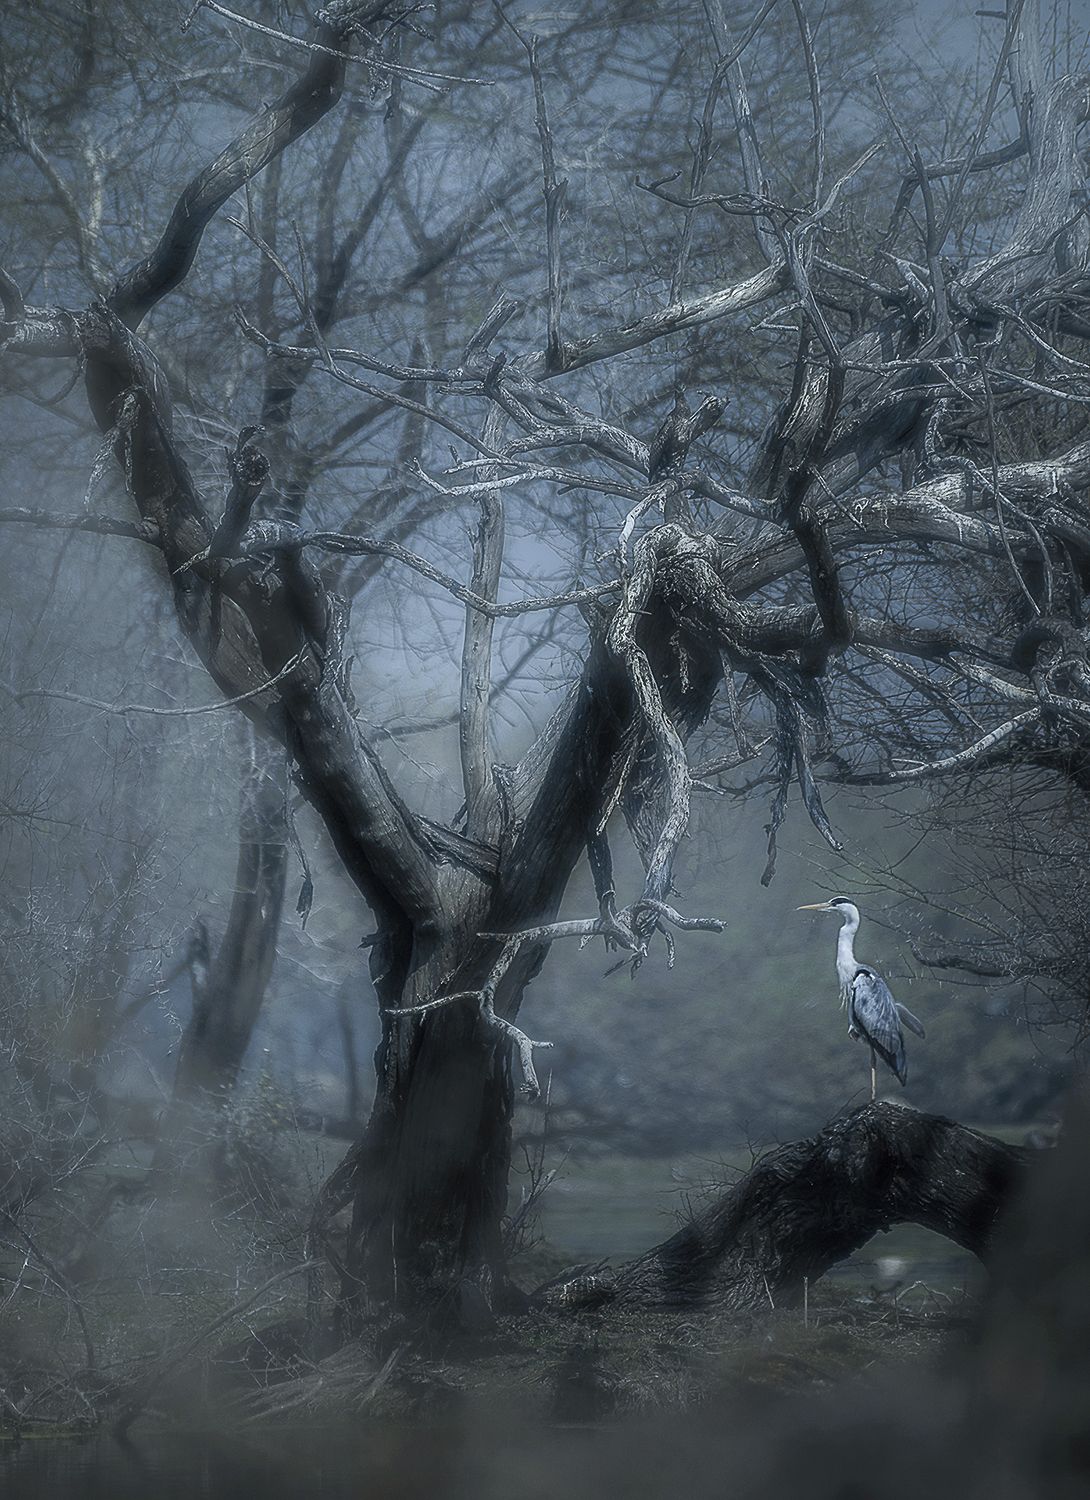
[(761, 590)]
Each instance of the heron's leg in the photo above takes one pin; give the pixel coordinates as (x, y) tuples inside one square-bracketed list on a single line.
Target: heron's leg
[(873, 1076)]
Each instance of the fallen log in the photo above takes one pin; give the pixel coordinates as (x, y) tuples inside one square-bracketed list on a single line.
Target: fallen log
[(807, 1205)]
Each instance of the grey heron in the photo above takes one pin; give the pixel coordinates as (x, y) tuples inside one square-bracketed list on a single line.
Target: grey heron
[(873, 1015)]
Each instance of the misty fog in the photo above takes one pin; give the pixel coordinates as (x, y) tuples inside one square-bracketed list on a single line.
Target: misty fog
[(503, 506)]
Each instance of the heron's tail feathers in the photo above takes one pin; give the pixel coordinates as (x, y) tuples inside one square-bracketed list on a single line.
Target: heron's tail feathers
[(912, 1022), (894, 1059)]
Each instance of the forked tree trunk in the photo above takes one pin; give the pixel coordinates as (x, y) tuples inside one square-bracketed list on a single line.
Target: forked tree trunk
[(428, 1182), (810, 1204)]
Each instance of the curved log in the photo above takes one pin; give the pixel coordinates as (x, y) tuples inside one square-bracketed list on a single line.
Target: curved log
[(809, 1204)]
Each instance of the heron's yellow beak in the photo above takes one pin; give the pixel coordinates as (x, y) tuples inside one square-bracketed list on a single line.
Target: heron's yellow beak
[(816, 906)]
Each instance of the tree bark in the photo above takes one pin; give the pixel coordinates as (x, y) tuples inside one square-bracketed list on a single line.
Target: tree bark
[(807, 1205), (428, 1181)]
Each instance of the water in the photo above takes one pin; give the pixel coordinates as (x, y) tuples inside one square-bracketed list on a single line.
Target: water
[(472, 1460), (215, 1467)]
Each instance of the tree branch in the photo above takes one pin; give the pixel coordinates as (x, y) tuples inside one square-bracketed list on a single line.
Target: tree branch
[(476, 677), (312, 95)]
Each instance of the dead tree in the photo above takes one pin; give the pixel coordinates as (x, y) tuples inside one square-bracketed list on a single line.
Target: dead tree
[(909, 362)]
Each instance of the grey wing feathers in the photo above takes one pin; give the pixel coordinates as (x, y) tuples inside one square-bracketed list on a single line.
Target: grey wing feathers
[(874, 1013), (912, 1022)]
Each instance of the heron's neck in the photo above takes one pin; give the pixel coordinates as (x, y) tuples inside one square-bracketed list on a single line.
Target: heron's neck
[(845, 953)]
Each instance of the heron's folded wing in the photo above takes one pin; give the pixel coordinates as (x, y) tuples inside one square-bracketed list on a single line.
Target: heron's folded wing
[(874, 1012)]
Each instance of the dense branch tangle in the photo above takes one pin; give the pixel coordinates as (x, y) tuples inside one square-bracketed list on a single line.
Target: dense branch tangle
[(919, 368)]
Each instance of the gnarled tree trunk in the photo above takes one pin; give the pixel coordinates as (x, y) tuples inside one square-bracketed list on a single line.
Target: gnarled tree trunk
[(428, 1182)]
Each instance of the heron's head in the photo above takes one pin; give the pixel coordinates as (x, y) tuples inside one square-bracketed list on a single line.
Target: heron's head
[(839, 904)]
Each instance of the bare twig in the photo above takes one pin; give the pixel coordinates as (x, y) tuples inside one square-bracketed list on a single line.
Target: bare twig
[(424, 77), (19, 694)]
